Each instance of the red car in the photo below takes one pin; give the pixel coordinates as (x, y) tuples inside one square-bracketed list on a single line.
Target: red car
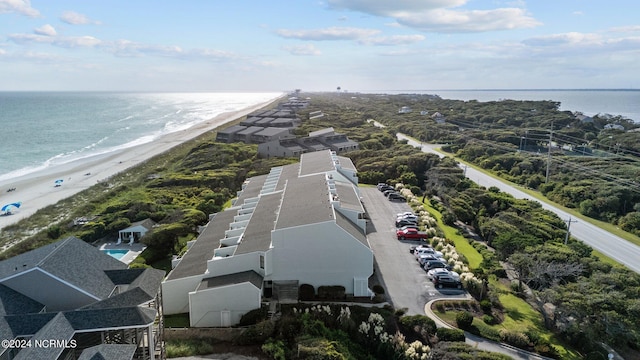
[(411, 234)]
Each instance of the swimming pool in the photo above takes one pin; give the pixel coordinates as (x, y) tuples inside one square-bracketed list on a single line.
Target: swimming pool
[(116, 253)]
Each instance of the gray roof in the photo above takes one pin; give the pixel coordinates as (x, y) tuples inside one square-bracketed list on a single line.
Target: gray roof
[(271, 131), (250, 130), (194, 262), (94, 319), (316, 162), (59, 328), (14, 303), (264, 121), (109, 352), (143, 285), (249, 276), (232, 129), (67, 259), (146, 223), (252, 189), (348, 197), (351, 228), (305, 201), (257, 234), (23, 324), (250, 120), (346, 163)]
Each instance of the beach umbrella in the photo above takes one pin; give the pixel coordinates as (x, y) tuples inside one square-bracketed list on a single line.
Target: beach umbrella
[(59, 182), (9, 206)]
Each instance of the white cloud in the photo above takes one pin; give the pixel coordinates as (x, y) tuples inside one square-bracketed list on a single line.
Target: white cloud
[(455, 21), (444, 16), (570, 38), (18, 6), (74, 18), (390, 8), (65, 42), (392, 40), (46, 30), (304, 50), (332, 33)]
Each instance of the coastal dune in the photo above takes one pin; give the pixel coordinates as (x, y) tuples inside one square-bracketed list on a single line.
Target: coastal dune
[(37, 190)]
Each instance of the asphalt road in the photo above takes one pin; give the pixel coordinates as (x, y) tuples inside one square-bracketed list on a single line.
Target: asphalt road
[(406, 283), (605, 242)]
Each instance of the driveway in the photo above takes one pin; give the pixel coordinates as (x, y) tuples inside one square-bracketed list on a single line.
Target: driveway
[(406, 283)]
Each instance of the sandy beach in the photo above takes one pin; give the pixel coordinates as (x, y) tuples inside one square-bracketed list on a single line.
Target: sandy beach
[(37, 190)]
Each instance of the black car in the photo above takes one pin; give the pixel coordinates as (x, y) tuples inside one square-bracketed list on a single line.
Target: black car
[(435, 264), (396, 197), (447, 280), (404, 222)]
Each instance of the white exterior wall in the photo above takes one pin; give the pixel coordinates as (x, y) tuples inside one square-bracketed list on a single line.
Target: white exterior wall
[(235, 264), (208, 305), (320, 254), (175, 294), (353, 216)]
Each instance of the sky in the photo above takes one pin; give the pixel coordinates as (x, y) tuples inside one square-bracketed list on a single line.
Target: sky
[(281, 45)]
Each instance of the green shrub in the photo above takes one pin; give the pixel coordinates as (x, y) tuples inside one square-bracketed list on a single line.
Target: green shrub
[(378, 289), (254, 316), (488, 319), (464, 320), (485, 305), (418, 323), (307, 292), (445, 334), (514, 338), (336, 292), (256, 334), (275, 349)]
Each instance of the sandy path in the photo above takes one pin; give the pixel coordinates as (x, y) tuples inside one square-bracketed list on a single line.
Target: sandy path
[(37, 190)]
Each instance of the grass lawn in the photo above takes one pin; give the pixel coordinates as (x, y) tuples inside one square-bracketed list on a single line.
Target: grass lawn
[(462, 245), (519, 316)]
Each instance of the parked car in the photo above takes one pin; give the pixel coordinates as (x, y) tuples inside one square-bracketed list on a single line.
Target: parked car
[(411, 234), (440, 271), (427, 251), (406, 213), (389, 192), (413, 248), (447, 280), (422, 259), (435, 264), (408, 217), (396, 197), (408, 227), (401, 223)]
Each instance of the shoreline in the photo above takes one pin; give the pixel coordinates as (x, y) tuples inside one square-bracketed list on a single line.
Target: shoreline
[(36, 190)]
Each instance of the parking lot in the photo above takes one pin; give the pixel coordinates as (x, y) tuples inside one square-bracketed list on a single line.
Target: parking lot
[(406, 284)]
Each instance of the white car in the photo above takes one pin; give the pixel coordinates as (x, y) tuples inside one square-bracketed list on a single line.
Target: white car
[(426, 251), (406, 213), (436, 272)]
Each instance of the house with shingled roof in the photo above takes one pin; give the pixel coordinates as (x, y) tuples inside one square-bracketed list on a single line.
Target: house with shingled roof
[(300, 224), (69, 300)]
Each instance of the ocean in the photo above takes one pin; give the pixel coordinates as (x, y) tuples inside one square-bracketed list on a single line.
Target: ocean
[(45, 129)]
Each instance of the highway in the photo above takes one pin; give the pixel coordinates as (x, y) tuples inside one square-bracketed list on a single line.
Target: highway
[(615, 247)]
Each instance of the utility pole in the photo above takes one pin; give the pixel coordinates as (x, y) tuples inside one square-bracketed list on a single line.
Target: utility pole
[(549, 153), (566, 238)]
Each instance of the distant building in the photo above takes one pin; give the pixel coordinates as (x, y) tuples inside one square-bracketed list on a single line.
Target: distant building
[(261, 126), (300, 224), (438, 117), (324, 139), (84, 300), (405, 110), (613, 127)]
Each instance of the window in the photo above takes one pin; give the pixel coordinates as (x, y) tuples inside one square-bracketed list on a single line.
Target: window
[(261, 261)]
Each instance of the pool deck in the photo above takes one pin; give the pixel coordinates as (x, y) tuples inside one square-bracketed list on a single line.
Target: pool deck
[(134, 250)]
